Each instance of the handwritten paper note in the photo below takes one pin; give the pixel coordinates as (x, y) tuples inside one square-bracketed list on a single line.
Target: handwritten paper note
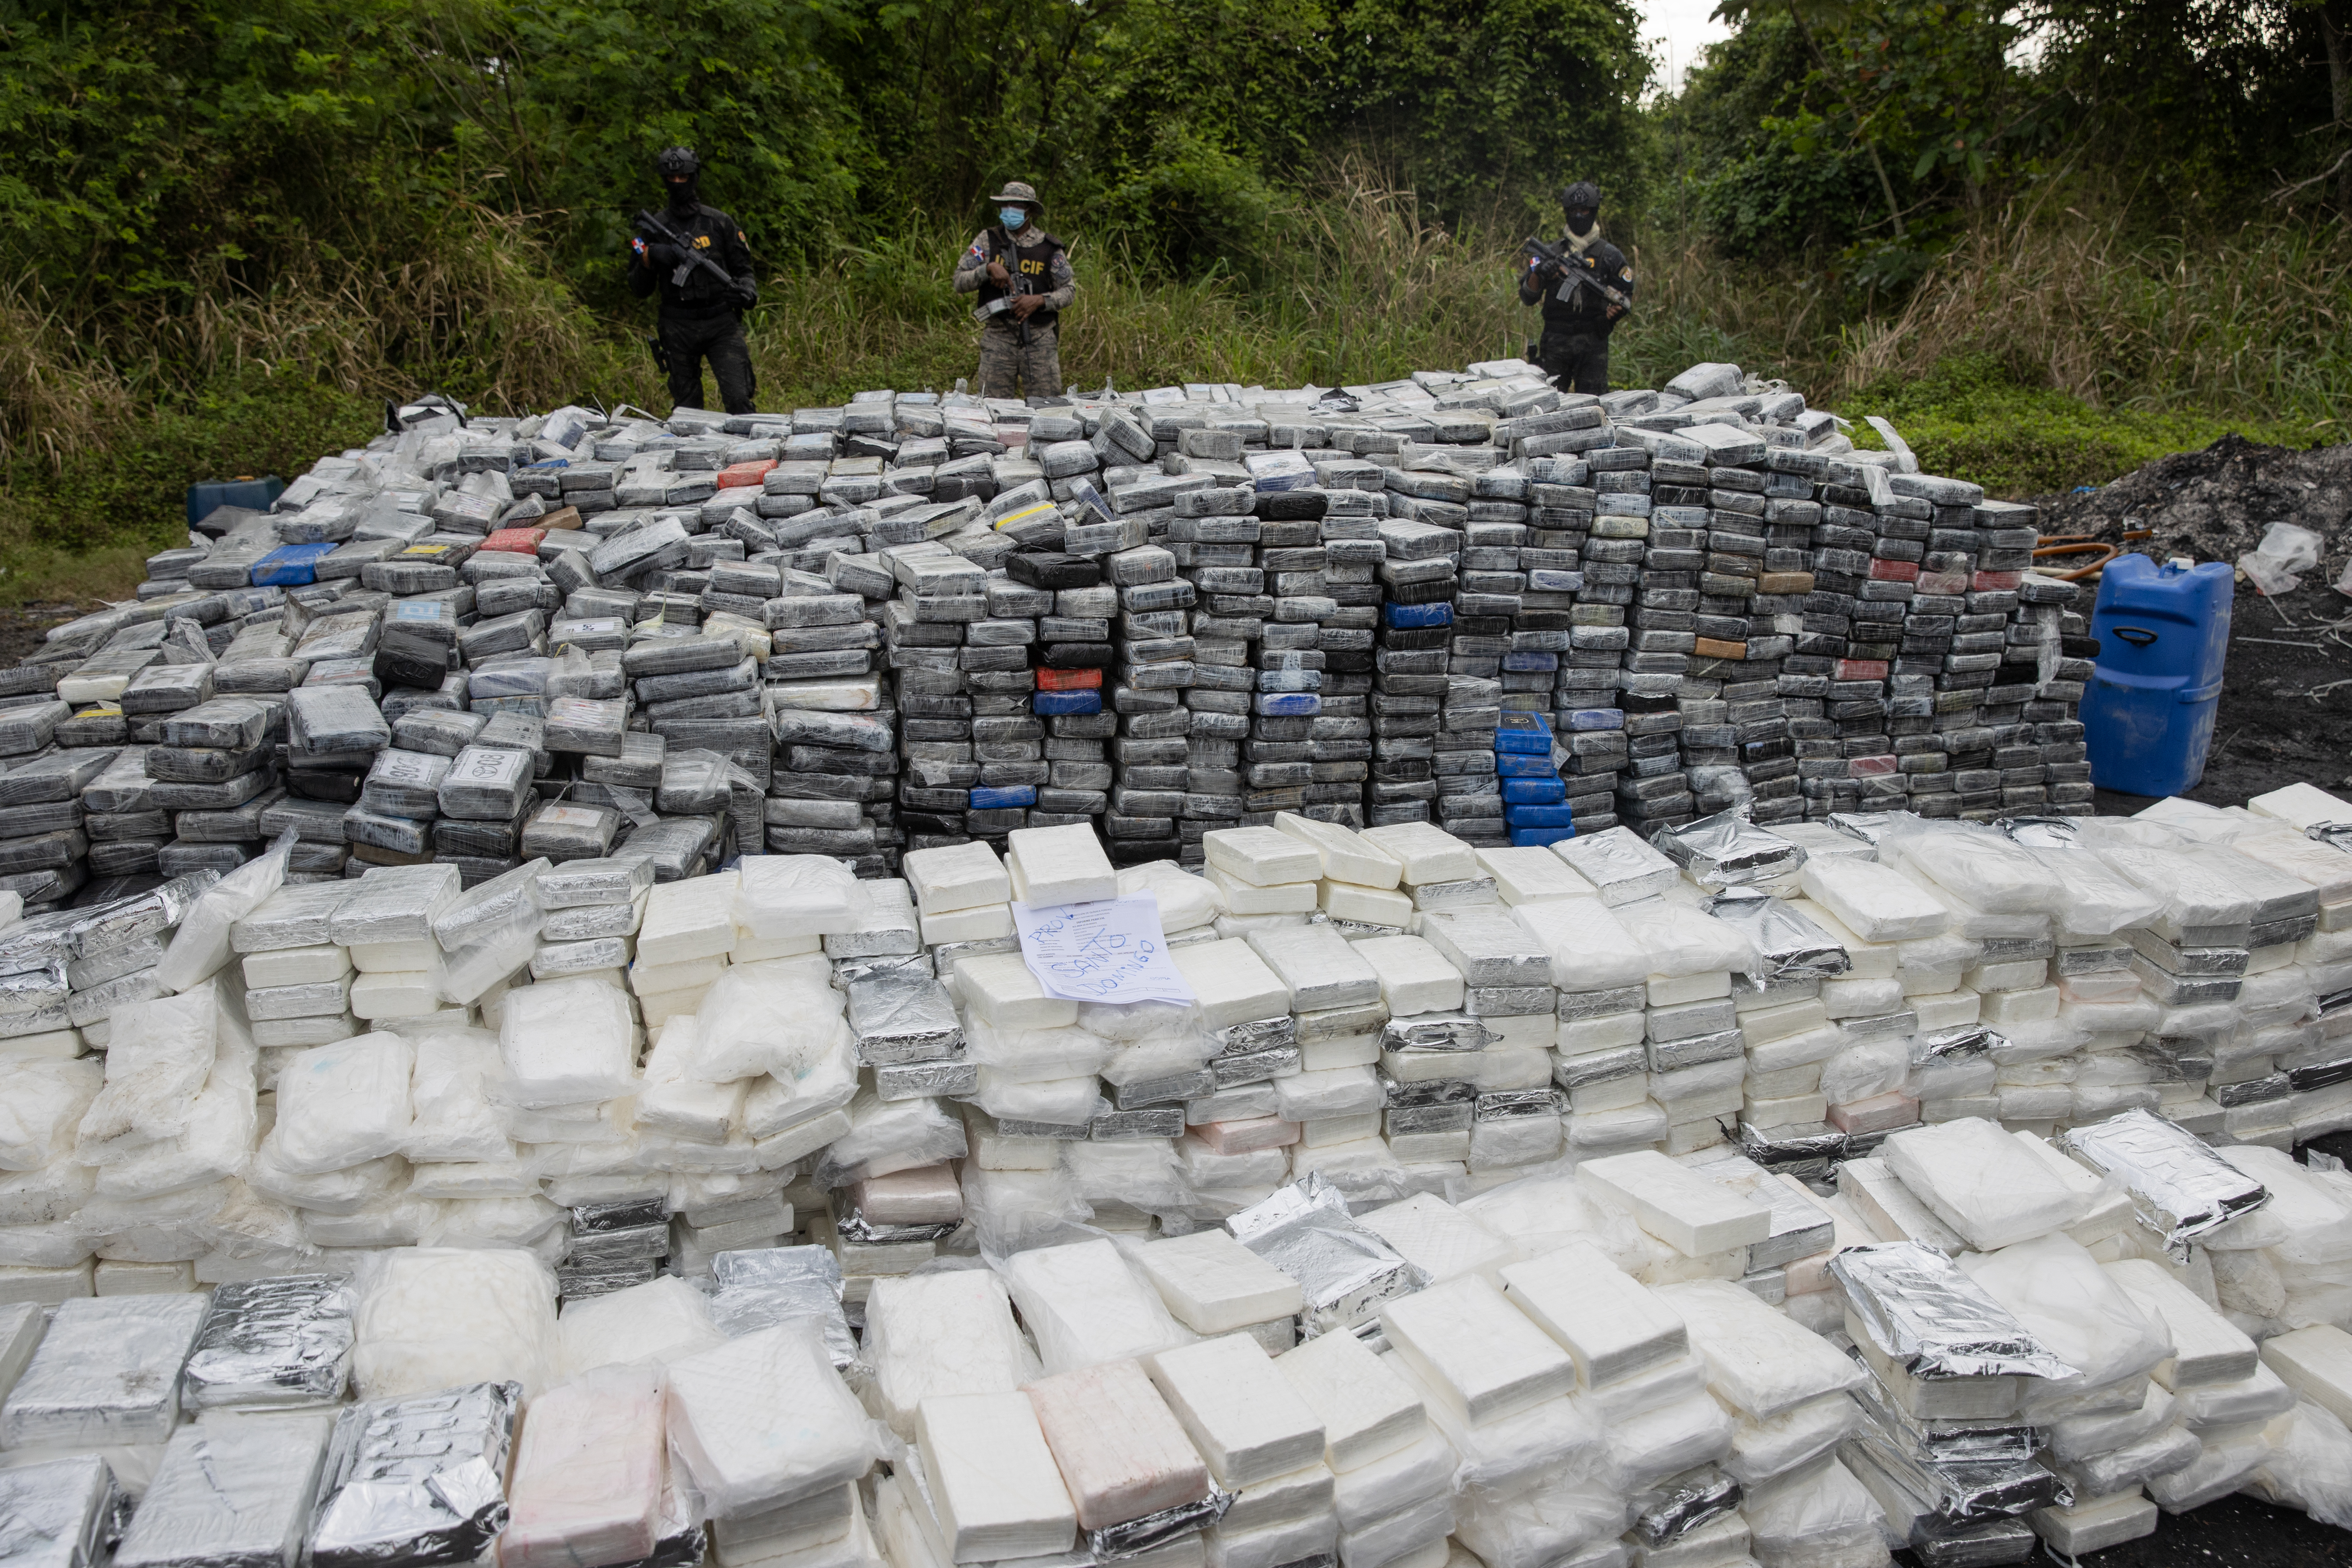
[(1108, 951)]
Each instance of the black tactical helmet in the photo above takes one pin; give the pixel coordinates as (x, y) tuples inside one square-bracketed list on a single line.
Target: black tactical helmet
[(674, 163), (1583, 193)]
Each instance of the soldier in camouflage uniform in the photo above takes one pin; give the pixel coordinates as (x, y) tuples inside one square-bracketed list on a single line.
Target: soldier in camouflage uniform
[(1025, 274)]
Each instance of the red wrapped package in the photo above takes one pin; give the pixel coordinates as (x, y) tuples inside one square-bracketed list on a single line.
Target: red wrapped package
[(520, 540), (1068, 679), (740, 476)]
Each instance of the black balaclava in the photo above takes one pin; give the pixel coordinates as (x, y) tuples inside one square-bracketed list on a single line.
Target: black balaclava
[(680, 171), (1582, 201)]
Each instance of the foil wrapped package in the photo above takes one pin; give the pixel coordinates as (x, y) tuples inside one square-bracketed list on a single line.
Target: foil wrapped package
[(1344, 1271), (903, 1014), (1681, 1503), (2179, 1188), (126, 920), (853, 1225), (1257, 1035), (1798, 1147), (1790, 946), (760, 1287), (231, 1492), (1726, 850), (65, 1513), (1963, 1493), (1925, 1315), (2002, 1444), (1434, 1032), (107, 1373), (282, 1340), (415, 1481), (1132, 1538), (1956, 1045), (1871, 826)]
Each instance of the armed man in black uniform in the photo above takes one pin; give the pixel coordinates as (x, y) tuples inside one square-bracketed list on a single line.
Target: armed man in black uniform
[(1586, 286), (701, 263)]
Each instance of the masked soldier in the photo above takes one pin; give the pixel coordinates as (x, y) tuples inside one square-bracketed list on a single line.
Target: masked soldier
[(701, 264), (1023, 277), (1578, 310)]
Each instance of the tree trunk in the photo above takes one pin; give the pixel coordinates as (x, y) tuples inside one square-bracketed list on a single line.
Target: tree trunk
[(2339, 89)]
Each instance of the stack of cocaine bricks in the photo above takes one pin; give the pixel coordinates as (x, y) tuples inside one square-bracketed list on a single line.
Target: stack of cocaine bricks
[(458, 568), (1214, 538)]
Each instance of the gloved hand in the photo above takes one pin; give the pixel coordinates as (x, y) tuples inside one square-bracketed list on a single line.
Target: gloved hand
[(747, 293), (662, 253)]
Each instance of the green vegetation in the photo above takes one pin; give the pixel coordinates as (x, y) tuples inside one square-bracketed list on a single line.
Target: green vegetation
[(2048, 244)]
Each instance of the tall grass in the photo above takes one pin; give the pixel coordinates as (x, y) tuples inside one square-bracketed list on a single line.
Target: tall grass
[(2257, 323), (1361, 285)]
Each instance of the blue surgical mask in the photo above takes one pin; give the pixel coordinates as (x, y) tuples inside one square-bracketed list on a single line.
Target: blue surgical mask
[(1012, 217)]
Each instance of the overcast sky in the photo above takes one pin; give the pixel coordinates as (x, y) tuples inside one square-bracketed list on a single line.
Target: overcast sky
[(1677, 30)]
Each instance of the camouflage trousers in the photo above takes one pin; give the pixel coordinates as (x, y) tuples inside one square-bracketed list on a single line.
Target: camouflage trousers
[(1038, 366)]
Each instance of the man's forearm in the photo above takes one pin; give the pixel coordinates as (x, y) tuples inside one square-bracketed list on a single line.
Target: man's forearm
[(967, 278)]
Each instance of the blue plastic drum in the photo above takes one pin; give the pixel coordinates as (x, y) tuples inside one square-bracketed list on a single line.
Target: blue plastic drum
[(2164, 635)]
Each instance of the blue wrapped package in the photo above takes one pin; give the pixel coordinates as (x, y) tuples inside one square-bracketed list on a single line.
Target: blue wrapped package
[(1061, 703), (290, 565)]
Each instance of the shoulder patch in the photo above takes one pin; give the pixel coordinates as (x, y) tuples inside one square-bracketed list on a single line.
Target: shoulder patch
[(1626, 273)]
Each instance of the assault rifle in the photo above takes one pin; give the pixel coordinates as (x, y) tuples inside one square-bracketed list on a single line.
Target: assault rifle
[(1574, 276)]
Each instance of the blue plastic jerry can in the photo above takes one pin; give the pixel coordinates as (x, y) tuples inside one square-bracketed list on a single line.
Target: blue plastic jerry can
[(208, 495), (2164, 635)]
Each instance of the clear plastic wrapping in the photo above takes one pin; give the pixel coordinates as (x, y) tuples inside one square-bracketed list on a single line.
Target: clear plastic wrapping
[(42, 1106), (1760, 1361), (485, 784), (582, 883), (764, 1420), (201, 946), (567, 1042), (433, 1317), (2067, 1302), (229, 1493), (1926, 1316), (286, 1339), (941, 1334), (417, 1480), (1680, 940), (779, 1016), (890, 1135), (454, 1118), (588, 1473), (1085, 1306), (796, 895), (1982, 1183), (343, 1104)]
